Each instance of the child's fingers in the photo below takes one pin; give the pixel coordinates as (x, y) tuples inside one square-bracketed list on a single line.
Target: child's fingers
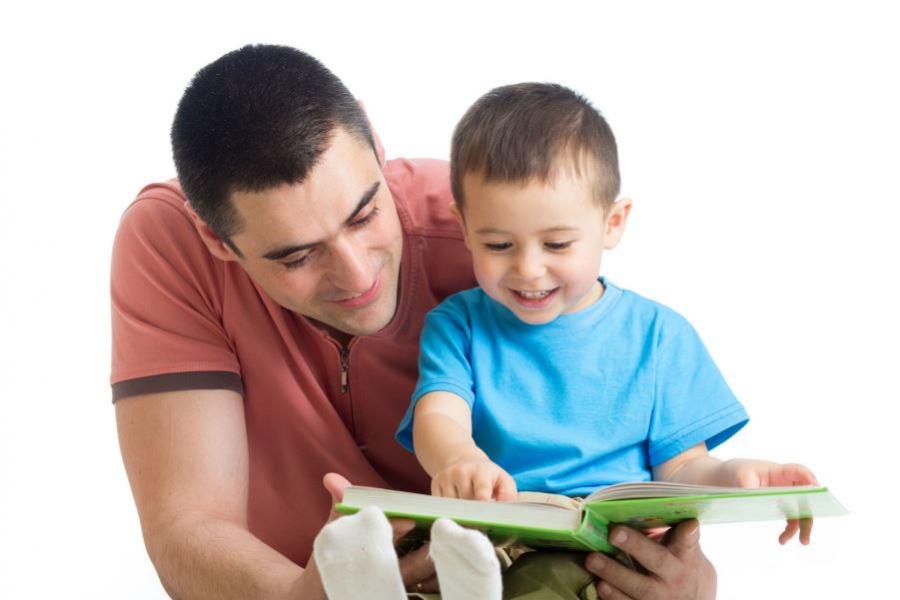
[(794, 474), (443, 487), (805, 530), (482, 486), (749, 479), (505, 488), (461, 488), (793, 525)]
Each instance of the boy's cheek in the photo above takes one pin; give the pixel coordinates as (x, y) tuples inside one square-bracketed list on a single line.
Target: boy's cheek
[(486, 271)]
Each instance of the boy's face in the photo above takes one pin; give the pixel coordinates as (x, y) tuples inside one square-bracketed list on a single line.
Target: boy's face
[(537, 247)]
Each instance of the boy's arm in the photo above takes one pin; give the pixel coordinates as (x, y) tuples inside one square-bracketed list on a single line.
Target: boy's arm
[(696, 466), (442, 437)]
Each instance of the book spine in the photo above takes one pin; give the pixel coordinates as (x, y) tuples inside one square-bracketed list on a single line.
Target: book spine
[(593, 532)]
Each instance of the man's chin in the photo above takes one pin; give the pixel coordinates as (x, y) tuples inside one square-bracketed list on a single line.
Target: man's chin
[(365, 322)]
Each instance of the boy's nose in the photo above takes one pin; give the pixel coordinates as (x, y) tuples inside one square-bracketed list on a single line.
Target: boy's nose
[(529, 265)]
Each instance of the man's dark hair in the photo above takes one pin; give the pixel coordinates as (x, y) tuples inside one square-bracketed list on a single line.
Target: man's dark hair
[(517, 133), (256, 118)]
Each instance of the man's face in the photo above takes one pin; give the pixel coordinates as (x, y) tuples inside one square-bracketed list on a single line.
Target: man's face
[(328, 248), (537, 247)]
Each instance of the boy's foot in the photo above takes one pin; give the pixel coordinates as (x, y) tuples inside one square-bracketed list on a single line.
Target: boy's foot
[(356, 558), (466, 564)]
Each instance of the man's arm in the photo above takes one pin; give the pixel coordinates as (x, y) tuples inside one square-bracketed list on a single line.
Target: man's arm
[(186, 457)]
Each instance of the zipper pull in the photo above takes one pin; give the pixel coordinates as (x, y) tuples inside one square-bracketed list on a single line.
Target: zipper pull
[(345, 370)]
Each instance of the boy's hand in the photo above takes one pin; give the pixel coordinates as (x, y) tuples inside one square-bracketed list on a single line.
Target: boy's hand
[(748, 473), (474, 479)]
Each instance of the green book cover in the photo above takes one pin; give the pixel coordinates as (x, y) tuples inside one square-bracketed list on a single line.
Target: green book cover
[(550, 521)]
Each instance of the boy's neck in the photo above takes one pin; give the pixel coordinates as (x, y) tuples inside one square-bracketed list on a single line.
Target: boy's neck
[(590, 298)]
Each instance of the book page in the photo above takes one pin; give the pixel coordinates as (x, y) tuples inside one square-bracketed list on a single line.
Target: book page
[(549, 499), (665, 489)]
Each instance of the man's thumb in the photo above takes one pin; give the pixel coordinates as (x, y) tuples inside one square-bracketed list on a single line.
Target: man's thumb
[(685, 538), (335, 485)]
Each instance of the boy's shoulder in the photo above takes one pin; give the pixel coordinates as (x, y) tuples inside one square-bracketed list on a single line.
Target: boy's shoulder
[(465, 302), (651, 313)]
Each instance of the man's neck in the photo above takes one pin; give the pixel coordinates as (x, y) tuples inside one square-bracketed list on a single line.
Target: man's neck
[(341, 337)]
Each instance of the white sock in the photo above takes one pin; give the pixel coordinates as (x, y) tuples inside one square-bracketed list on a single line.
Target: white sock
[(466, 564), (356, 558)]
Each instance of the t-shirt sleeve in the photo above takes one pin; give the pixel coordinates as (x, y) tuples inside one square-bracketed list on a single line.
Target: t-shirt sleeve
[(693, 404), (443, 361), (166, 300)]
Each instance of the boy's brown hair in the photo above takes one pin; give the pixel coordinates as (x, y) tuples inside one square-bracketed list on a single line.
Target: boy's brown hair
[(526, 131)]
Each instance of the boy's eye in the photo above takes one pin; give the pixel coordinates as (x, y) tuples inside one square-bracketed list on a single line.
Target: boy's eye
[(557, 245), (498, 247)]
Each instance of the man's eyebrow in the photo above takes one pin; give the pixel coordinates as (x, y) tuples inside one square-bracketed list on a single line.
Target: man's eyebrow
[(557, 229), (285, 251), (366, 198)]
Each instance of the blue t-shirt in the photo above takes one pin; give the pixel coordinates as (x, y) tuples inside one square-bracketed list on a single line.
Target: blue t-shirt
[(592, 398)]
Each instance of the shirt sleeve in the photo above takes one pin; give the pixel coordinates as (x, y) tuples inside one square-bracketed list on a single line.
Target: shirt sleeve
[(166, 299), (443, 361), (693, 403)]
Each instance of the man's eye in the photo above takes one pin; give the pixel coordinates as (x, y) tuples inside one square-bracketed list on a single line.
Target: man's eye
[(361, 222), (498, 247), (297, 263), (557, 245)]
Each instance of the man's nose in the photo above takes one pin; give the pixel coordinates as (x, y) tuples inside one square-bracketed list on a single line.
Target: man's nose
[(349, 268)]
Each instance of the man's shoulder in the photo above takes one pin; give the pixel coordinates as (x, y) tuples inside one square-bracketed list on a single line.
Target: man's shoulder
[(421, 189), (156, 203), (156, 228)]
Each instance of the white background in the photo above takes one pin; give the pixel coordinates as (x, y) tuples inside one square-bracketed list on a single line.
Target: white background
[(760, 145)]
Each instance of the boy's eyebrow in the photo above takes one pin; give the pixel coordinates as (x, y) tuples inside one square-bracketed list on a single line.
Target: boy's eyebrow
[(556, 229), (285, 251)]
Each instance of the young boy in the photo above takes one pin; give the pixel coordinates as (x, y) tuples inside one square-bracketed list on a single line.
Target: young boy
[(546, 377)]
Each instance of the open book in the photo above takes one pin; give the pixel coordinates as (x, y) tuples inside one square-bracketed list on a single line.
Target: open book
[(547, 520)]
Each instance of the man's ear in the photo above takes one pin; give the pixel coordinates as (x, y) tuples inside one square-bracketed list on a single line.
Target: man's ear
[(615, 223), (379, 149), (214, 243), (461, 219)]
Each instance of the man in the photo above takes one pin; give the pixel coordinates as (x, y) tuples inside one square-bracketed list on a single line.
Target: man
[(265, 333)]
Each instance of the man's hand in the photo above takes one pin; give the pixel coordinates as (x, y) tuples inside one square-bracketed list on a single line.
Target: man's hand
[(749, 473), (416, 570), (474, 479), (677, 568)]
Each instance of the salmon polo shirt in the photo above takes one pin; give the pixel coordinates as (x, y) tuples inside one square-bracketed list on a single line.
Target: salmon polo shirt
[(182, 319)]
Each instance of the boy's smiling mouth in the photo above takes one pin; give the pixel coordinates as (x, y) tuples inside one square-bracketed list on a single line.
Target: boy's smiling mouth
[(533, 299)]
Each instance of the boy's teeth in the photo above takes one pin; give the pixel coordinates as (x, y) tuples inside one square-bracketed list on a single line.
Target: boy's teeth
[(533, 295)]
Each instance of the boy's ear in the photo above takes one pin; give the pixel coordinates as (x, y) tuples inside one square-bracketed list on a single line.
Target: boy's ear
[(214, 243), (615, 222), (461, 219)]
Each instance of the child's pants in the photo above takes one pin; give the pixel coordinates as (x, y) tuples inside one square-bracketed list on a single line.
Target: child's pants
[(544, 575)]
